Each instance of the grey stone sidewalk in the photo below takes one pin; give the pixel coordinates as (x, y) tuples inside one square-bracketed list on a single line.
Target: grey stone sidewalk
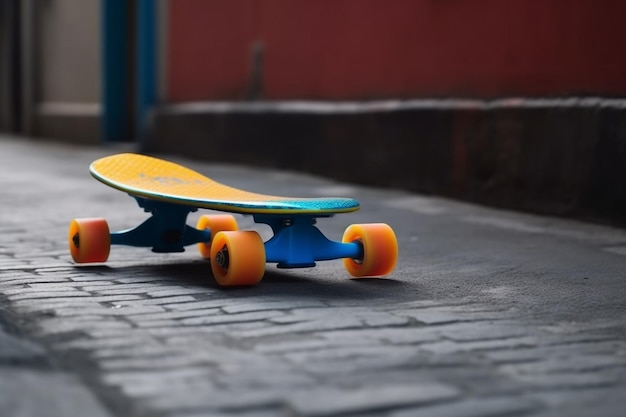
[(488, 313)]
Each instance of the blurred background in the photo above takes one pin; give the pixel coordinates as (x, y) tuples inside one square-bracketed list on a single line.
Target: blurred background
[(516, 104)]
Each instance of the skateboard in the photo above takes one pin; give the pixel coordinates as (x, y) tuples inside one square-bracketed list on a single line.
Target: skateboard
[(169, 192)]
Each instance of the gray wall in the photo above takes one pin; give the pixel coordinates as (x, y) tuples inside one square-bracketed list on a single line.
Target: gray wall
[(62, 83), (9, 71)]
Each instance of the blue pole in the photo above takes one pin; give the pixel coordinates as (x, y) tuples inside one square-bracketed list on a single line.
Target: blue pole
[(114, 67), (146, 67)]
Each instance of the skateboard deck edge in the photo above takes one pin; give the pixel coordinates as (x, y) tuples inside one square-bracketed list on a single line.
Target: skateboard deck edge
[(262, 204)]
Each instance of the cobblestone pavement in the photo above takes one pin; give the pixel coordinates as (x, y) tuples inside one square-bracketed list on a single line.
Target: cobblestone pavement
[(489, 313)]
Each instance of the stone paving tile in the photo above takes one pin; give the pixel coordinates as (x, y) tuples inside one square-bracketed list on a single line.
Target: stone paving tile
[(28, 289), (165, 301), (330, 354), (89, 278), (152, 382), (173, 315), (567, 380), (605, 402), (281, 379), (232, 318), (301, 328), (367, 398), (475, 407), (274, 412), (579, 363), (31, 294), (484, 330), (171, 361), (117, 290), (252, 305), (43, 390), (10, 283), (93, 344), (39, 305), (60, 326), (402, 335), (537, 353), (104, 333), (216, 399), (318, 314), (108, 311), (333, 365), (147, 280), (176, 291), (158, 324), (227, 329), (445, 315), (197, 305), (305, 343), (450, 347)]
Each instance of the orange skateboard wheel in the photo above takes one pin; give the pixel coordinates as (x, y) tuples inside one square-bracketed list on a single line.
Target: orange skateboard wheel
[(380, 249), (215, 223), (89, 240), (237, 258)]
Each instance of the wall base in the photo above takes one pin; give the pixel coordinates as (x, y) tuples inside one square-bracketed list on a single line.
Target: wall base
[(558, 157), (70, 122)]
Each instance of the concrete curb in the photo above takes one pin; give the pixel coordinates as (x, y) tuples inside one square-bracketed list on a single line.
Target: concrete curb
[(551, 156)]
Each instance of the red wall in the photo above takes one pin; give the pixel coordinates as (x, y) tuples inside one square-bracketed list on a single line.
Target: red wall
[(366, 49)]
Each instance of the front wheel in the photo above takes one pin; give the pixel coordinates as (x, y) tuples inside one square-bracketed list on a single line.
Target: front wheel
[(89, 240), (380, 249), (237, 258)]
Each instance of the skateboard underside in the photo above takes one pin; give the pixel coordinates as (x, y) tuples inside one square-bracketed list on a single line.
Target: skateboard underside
[(239, 257)]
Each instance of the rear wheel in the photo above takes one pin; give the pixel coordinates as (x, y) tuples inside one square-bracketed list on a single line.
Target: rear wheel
[(237, 258), (215, 223), (89, 240), (380, 249)]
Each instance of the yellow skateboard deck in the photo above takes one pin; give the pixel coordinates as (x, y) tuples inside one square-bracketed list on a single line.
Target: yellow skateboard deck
[(157, 179)]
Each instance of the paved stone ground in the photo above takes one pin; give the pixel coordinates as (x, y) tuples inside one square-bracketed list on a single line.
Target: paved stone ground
[(489, 313)]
